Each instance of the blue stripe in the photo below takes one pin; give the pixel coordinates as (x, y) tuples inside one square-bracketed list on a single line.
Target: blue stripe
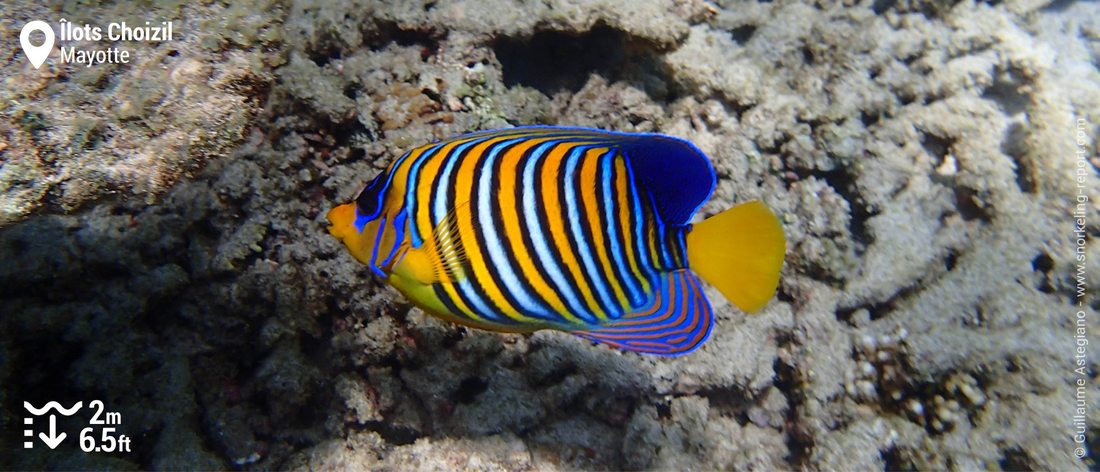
[(616, 253), (440, 205), (658, 332), (362, 220), (374, 250), (662, 242), (480, 307), (389, 177), (640, 238), (572, 205), (549, 260), (440, 208), (512, 281), (410, 193), (399, 226)]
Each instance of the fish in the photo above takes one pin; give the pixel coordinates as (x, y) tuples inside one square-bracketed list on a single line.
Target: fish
[(573, 229)]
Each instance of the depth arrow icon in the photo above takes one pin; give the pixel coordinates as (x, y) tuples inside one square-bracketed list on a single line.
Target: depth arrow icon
[(54, 439)]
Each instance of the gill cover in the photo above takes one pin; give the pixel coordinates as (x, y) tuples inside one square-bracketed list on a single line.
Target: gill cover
[(362, 227), (342, 226)]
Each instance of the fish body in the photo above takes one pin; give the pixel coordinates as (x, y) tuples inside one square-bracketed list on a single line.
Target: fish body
[(574, 229)]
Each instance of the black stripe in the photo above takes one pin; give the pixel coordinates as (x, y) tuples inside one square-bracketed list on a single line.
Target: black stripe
[(449, 303), (620, 262), (653, 236), (586, 231), (602, 214), (625, 228), (452, 182), (493, 195), (639, 227), (543, 217), (674, 243), (452, 186), (526, 243)]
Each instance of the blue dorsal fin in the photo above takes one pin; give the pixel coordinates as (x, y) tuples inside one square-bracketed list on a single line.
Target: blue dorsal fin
[(677, 321), (674, 172)]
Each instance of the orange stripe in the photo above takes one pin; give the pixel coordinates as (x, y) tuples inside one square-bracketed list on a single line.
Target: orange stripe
[(479, 261), (638, 334), (652, 240), (622, 191), (700, 306), (592, 206), (461, 207), (424, 189), (552, 201), (514, 228)]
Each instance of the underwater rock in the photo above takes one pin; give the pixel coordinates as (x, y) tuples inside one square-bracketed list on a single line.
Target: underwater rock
[(74, 134)]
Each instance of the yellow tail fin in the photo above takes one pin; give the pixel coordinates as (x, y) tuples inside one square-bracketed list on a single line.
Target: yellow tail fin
[(739, 251)]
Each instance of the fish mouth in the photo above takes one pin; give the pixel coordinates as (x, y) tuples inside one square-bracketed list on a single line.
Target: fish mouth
[(358, 240), (342, 221)]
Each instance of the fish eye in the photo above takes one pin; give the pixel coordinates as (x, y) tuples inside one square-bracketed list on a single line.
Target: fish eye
[(369, 200)]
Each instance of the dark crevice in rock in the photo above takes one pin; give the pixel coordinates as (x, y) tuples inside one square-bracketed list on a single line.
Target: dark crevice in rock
[(844, 183), (1043, 264), (553, 62), (936, 146), (880, 6), (1057, 6), (807, 55), (878, 310), (730, 402), (950, 261), (1006, 93), (970, 206), (742, 34), (868, 118), (556, 376), (1015, 458), (894, 460), (1013, 146), (469, 389), (387, 32), (394, 434), (664, 410), (799, 440), (1092, 440)]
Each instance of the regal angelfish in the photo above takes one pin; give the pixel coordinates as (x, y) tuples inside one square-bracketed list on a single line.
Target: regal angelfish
[(575, 229)]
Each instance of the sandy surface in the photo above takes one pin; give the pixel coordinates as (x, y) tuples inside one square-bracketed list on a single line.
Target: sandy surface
[(164, 246)]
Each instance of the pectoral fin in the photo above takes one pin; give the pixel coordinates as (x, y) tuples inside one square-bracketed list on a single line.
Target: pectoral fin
[(441, 259)]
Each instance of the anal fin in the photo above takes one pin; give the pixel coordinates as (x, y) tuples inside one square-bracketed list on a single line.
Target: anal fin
[(678, 321)]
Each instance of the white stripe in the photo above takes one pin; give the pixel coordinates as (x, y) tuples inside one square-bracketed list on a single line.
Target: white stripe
[(440, 208), (616, 252), (640, 238), (549, 260), (510, 279), (573, 204)]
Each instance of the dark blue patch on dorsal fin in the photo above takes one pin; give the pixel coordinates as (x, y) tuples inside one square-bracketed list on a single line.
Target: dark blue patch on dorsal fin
[(677, 175)]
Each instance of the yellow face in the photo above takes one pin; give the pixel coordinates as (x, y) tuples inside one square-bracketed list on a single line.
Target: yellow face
[(342, 227), (379, 242)]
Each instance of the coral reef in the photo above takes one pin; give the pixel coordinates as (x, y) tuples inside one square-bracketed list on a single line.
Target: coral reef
[(72, 134), (923, 157)]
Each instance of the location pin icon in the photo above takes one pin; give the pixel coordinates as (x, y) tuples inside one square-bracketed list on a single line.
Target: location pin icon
[(37, 54)]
